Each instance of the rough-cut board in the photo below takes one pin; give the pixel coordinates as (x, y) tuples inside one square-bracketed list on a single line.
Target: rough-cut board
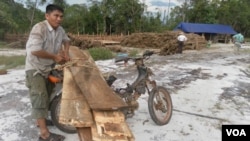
[(108, 116), (111, 125), (84, 134), (74, 109), (104, 137), (89, 104), (116, 129), (91, 82)]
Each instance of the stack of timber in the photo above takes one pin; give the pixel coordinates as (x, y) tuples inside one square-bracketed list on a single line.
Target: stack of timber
[(86, 42), (166, 42), (16, 40), (87, 100), (82, 42)]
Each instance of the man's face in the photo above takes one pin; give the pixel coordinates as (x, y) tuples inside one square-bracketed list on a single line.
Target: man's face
[(54, 18)]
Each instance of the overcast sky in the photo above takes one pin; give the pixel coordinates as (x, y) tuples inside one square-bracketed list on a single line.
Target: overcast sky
[(153, 5), (162, 6)]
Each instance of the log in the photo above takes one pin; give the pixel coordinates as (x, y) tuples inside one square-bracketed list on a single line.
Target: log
[(3, 72)]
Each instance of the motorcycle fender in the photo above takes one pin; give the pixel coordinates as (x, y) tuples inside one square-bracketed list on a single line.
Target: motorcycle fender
[(57, 91), (154, 90)]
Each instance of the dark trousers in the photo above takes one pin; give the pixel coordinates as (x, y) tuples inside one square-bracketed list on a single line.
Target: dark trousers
[(180, 46)]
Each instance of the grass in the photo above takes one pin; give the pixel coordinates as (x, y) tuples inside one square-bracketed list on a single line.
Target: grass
[(247, 39), (9, 62), (2, 44), (99, 53), (133, 53)]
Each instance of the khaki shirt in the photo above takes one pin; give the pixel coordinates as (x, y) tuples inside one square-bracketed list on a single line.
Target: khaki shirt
[(43, 37)]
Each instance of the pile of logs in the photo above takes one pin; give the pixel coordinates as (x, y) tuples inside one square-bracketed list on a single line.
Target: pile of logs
[(166, 42), (86, 42), (82, 42), (16, 40)]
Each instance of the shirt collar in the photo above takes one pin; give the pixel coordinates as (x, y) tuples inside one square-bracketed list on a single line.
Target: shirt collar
[(49, 26)]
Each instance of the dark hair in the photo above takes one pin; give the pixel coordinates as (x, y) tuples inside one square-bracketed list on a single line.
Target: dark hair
[(52, 7)]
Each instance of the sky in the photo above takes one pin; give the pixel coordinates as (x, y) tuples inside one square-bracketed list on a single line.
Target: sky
[(153, 5)]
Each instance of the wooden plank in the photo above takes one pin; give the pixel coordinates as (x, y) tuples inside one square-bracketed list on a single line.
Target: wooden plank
[(108, 116), (108, 42), (92, 84), (84, 134), (74, 109), (111, 124), (117, 129), (104, 137)]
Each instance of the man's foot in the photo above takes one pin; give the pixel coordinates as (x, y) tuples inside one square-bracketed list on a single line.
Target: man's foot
[(52, 137)]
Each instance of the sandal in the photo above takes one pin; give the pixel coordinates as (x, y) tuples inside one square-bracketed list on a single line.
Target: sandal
[(52, 137)]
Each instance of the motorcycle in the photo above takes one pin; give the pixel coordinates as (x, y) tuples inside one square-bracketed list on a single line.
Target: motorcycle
[(159, 101)]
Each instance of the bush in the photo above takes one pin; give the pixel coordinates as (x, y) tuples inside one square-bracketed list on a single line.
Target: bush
[(99, 53)]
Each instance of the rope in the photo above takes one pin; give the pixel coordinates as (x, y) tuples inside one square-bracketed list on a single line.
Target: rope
[(73, 62)]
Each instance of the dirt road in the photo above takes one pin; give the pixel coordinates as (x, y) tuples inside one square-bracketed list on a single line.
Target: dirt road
[(209, 88)]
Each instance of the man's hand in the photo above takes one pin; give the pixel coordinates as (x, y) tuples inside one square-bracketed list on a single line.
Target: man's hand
[(59, 59), (66, 56)]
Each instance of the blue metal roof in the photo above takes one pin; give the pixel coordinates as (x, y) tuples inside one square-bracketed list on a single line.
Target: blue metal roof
[(205, 28)]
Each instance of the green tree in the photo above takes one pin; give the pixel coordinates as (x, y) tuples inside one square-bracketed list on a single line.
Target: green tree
[(75, 19)]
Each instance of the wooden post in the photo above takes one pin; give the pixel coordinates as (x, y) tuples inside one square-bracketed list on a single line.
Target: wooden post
[(196, 44)]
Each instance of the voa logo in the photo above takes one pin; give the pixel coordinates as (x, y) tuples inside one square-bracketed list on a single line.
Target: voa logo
[(236, 132)]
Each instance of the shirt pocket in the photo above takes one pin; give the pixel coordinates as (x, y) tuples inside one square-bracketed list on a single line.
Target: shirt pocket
[(58, 45)]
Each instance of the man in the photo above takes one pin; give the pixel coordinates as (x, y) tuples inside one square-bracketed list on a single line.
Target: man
[(181, 39), (44, 49), (238, 39)]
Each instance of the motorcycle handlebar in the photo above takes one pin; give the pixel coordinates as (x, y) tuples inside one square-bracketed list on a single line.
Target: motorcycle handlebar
[(145, 55), (148, 53)]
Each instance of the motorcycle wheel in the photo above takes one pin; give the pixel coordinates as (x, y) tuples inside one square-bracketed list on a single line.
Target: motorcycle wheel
[(55, 110), (160, 105)]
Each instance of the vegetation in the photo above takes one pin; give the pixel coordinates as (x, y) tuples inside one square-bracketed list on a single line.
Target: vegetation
[(2, 44), (99, 53), (133, 53), (124, 16), (9, 62)]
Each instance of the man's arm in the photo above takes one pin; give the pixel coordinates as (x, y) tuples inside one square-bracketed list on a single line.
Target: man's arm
[(44, 54)]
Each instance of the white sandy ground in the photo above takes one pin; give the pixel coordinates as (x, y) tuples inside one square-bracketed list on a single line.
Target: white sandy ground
[(201, 106)]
